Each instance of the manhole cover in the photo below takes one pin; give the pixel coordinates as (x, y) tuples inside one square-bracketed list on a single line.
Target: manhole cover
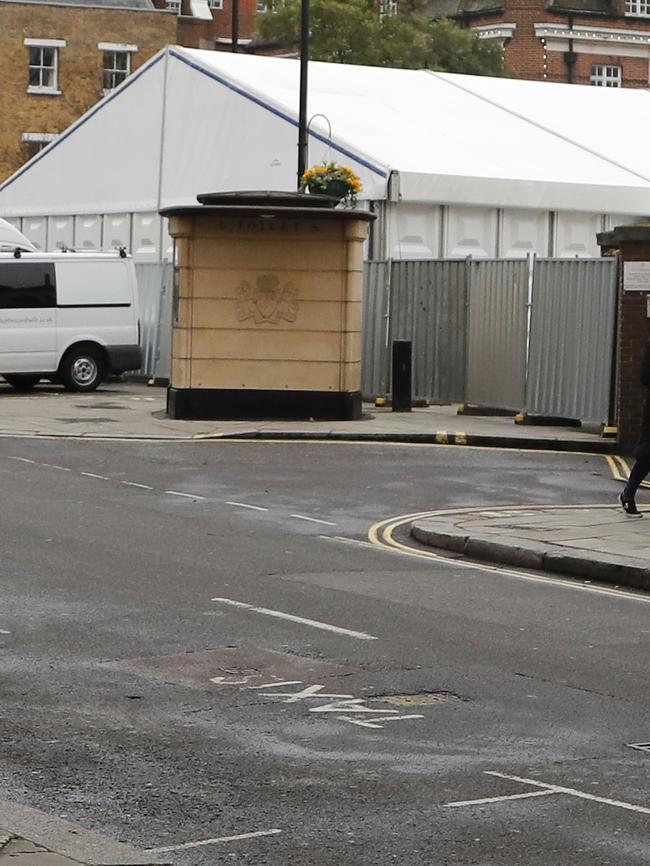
[(421, 699)]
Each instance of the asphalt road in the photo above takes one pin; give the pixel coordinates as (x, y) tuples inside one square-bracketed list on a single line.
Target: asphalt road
[(136, 705)]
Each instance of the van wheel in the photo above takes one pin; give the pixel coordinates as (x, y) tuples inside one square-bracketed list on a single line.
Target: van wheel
[(22, 382), (82, 369)]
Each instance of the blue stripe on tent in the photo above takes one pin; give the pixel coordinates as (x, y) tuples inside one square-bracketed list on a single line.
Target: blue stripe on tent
[(84, 119), (278, 113)]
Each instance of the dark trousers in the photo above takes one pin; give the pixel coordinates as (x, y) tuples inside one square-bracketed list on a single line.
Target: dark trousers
[(639, 471)]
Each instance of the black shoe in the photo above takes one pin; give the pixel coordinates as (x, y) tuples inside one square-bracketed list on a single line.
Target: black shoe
[(629, 506)]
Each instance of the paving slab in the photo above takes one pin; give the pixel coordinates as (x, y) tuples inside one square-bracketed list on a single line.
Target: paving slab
[(596, 542), (36, 838), (136, 411)]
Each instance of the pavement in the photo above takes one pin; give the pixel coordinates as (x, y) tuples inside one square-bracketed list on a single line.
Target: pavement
[(128, 410), (23, 853), (595, 543)]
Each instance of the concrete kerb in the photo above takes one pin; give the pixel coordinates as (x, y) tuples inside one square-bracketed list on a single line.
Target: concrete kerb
[(440, 438), (599, 567)]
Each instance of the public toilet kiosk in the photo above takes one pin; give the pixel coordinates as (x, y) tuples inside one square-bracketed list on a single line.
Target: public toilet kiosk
[(267, 307)]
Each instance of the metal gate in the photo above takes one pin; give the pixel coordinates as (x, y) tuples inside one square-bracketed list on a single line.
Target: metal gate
[(496, 356)]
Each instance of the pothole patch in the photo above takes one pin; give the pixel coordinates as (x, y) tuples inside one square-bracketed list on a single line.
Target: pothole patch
[(420, 699)]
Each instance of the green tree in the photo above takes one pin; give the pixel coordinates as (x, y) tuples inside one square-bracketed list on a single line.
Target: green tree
[(351, 31)]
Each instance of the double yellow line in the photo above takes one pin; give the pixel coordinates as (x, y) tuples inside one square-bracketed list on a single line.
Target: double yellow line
[(619, 466), (382, 534)]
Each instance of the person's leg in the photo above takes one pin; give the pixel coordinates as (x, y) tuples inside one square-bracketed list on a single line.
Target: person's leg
[(639, 471)]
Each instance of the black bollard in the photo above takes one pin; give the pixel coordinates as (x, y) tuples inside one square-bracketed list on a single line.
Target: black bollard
[(401, 390)]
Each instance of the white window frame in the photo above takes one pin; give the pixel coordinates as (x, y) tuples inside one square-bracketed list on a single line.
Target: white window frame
[(606, 75), (55, 45), (268, 5), (116, 48), (388, 8), (215, 4), (42, 138), (638, 8), (174, 6)]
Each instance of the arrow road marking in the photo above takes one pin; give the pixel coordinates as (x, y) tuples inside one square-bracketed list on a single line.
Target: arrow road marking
[(308, 692), (366, 724), (356, 705)]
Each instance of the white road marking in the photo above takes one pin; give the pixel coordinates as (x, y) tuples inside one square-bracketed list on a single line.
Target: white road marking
[(224, 681), (55, 466), (4, 631), (500, 799), (93, 475), (312, 519), (245, 505), (365, 724), (324, 626), (276, 685), (573, 792), (186, 495), (214, 841), (135, 484), (303, 695), (21, 459), (355, 705), (358, 543)]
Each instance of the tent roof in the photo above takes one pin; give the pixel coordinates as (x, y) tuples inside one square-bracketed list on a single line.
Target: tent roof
[(229, 122)]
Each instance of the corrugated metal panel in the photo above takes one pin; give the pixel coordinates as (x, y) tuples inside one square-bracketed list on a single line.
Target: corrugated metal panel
[(572, 338), (429, 307), (154, 290), (374, 363), (496, 363)]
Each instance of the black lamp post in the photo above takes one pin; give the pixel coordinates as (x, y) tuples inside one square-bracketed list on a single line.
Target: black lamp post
[(234, 29), (302, 116)]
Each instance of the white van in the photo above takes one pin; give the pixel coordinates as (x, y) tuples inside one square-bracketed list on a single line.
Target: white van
[(69, 317)]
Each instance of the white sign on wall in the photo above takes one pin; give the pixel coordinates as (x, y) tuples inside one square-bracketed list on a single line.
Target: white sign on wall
[(636, 276)]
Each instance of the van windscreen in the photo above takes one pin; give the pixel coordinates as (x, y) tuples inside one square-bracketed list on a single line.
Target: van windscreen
[(27, 285)]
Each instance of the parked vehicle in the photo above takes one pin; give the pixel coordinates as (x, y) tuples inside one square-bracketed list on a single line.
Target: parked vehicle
[(68, 317)]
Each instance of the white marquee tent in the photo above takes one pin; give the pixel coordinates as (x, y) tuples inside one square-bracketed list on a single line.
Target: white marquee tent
[(454, 165)]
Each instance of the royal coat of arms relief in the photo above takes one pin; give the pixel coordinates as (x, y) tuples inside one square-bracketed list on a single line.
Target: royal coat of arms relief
[(267, 300)]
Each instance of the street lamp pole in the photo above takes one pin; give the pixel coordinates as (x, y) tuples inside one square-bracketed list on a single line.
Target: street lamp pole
[(304, 63), (235, 27)]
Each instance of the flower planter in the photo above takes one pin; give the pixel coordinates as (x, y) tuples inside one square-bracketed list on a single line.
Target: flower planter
[(336, 189)]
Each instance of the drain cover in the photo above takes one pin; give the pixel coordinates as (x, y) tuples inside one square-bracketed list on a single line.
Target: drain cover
[(421, 699)]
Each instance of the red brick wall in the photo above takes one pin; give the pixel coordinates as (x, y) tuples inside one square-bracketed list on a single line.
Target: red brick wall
[(525, 55), (194, 33), (634, 332)]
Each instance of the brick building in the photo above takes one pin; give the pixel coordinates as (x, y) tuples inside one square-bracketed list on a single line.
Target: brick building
[(600, 42), (59, 57)]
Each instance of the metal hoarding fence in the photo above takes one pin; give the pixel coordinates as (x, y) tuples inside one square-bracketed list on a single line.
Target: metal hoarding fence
[(572, 339)]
